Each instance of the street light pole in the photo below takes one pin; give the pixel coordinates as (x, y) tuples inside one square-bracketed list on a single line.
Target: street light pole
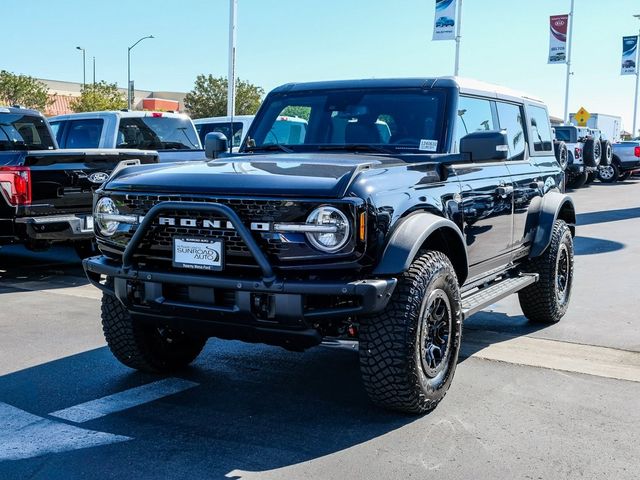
[(129, 92), (570, 40), (94, 70), (84, 66), (231, 85), (634, 132), (458, 37)]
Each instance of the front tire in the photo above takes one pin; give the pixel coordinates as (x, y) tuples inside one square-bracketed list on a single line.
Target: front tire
[(146, 347), (547, 300), (609, 173), (409, 351)]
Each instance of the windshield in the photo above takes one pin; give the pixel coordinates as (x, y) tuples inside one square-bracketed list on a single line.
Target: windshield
[(157, 133), (385, 120), (24, 132), (563, 134)]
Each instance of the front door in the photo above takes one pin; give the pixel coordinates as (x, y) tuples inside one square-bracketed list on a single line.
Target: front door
[(486, 200)]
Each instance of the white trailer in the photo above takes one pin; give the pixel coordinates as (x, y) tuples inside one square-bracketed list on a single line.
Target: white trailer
[(609, 125)]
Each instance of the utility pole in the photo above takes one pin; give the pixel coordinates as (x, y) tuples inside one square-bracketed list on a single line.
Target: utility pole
[(570, 40), (231, 87), (458, 37), (94, 70), (84, 67), (634, 132)]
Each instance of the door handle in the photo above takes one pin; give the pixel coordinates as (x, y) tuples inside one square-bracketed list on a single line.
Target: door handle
[(504, 191)]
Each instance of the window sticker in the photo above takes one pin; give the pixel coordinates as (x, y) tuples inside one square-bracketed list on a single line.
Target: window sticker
[(428, 145)]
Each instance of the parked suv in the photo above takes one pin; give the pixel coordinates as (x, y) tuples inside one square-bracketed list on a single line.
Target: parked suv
[(345, 233), (584, 147), (46, 194), (172, 135)]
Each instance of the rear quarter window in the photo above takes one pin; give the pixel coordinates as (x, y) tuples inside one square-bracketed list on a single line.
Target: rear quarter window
[(541, 137)]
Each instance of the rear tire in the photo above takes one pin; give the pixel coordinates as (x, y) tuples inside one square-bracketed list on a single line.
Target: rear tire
[(591, 153), (624, 176), (608, 173), (547, 300), (146, 347), (578, 180), (562, 154), (409, 351), (607, 152), (591, 176)]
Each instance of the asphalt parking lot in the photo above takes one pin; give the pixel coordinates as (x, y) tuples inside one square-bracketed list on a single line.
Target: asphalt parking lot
[(527, 402)]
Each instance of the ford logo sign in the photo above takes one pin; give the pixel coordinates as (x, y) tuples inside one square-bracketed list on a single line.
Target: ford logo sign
[(98, 177)]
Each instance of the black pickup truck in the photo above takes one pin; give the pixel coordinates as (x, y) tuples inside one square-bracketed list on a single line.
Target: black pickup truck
[(46, 193), (402, 207)]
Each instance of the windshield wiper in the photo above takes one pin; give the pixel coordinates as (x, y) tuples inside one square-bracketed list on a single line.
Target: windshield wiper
[(268, 148), (355, 147)]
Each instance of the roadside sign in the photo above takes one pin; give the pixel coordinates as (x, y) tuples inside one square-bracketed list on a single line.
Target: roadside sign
[(582, 117)]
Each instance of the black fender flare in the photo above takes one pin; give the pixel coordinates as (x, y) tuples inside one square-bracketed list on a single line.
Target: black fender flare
[(554, 205), (411, 234)]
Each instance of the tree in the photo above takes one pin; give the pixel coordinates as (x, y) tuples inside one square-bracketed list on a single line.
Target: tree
[(297, 111), (23, 90), (99, 96), (209, 97)]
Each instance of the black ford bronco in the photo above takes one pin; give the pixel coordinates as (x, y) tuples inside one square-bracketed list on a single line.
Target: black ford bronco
[(395, 209), (46, 193)]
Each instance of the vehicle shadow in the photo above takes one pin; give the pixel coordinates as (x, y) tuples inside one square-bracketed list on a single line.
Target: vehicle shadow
[(605, 216), (58, 267), (256, 408), (593, 246)]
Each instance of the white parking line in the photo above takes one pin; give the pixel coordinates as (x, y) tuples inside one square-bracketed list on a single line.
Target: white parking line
[(123, 400), (24, 435)]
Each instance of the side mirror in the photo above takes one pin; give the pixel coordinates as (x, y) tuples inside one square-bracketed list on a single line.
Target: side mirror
[(484, 146), (215, 143)]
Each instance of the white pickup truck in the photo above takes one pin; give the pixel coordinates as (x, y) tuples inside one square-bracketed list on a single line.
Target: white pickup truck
[(172, 135), (626, 161)]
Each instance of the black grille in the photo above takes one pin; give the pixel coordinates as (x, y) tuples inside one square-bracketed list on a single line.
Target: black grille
[(157, 244)]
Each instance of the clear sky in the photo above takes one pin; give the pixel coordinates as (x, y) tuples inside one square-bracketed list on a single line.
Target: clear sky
[(279, 41)]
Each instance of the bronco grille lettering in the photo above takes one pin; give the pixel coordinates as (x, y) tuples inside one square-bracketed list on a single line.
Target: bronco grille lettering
[(211, 224)]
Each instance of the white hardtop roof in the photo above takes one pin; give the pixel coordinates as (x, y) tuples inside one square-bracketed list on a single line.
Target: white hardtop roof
[(238, 118), (118, 113), (476, 87)]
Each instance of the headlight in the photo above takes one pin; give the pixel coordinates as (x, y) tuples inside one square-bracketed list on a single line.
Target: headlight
[(331, 229), (103, 215)]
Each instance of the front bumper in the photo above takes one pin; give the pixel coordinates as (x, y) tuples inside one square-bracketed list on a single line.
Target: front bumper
[(275, 311), (55, 227)]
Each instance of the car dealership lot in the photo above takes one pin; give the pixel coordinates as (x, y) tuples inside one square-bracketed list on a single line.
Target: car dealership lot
[(528, 401)]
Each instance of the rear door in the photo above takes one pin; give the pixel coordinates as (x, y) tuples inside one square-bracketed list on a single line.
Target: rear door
[(528, 181), (487, 193)]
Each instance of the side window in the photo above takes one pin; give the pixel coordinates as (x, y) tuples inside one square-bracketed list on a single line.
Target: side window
[(84, 133), (473, 114), (57, 128), (540, 129), (511, 119)]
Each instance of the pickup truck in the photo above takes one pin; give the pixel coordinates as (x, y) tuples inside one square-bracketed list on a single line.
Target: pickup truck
[(626, 161), (46, 193), (386, 236), (172, 135)]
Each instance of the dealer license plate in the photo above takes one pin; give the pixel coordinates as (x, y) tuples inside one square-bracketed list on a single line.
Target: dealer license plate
[(198, 253)]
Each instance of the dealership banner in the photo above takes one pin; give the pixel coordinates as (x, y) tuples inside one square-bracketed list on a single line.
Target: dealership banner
[(629, 55), (444, 25), (558, 25)]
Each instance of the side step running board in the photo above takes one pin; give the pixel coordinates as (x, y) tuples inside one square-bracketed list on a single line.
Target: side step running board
[(485, 296)]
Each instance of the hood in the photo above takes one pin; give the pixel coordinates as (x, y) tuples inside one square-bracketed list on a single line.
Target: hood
[(287, 175)]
